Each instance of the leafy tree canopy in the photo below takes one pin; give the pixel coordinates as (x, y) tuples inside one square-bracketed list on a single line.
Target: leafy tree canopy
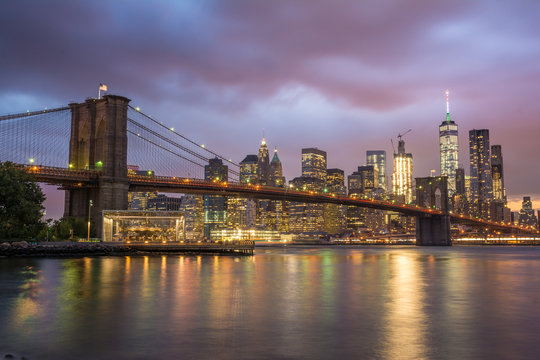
[(21, 202)]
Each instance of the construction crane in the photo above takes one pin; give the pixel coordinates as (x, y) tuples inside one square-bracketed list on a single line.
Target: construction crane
[(399, 137), (405, 133)]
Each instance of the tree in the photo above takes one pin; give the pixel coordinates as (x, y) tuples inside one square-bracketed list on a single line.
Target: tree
[(21, 202)]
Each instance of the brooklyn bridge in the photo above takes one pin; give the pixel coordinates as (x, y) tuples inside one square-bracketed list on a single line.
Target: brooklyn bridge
[(85, 148)]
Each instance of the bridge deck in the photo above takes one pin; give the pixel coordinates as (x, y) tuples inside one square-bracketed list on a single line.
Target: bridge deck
[(90, 178)]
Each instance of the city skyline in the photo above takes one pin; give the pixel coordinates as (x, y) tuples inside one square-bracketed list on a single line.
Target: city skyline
[(223, 67)]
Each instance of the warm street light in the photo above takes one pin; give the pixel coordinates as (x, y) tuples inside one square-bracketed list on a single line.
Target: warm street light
[(90, 204)]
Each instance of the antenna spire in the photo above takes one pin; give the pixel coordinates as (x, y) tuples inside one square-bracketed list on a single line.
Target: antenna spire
[(447, 105)]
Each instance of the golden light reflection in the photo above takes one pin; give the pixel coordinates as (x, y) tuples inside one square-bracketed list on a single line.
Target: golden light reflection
[(405, 325)]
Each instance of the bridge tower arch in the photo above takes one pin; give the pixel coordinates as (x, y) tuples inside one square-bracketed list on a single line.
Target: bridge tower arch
[(433, 229), (99, 142)]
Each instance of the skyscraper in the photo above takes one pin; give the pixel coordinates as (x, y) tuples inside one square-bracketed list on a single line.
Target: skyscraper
[(481, 181), (334, 214), (497, 175), (263, 164), (215, 206), (377, 159), (309, 217), (248, 169), (526, 214), (448, 141), (402, 189), (314, 163), (276, 171)]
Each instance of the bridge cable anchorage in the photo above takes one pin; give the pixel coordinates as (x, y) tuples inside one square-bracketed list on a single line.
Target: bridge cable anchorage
[(185, 138), (173, 143), (170, 151)]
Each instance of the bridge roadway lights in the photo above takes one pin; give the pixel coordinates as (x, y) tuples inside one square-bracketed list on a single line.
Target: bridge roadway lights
[(433, 230)]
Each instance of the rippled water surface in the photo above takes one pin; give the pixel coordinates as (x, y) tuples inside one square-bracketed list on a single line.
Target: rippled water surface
[(295, 303)]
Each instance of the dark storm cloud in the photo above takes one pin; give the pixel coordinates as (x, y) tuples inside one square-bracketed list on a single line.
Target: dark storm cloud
[(369, 69)]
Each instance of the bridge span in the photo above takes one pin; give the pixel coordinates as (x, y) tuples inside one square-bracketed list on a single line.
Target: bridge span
[(70, 178), (93, 144)]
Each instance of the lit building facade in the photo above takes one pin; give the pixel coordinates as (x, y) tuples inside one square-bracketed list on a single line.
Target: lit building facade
[(276, 171), (248, 169), (481, 181), (335, 214), (402, 185), (163, 202), (314, 163), (448, 141), (306, 217), (193, 208), (263, 164), (526, 214), (497, 174), (215, 207), (377, 159)]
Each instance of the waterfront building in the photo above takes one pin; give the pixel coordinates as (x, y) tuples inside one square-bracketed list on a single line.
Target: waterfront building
[(481, 180), (448, 142), (355, 215), (306, 217), (193, 208), (335, 214), (402, 185), (377, 159), (314, 163), (526, 214), (497, 175), (215, 206), (163, 202), (138, 200)]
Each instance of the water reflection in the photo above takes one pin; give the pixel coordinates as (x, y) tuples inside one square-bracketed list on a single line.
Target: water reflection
[(309, 303), (405, 320)]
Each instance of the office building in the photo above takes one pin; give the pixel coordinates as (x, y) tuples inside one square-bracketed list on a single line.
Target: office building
[(448, 142), (481, 181), (248, 169), (276, 171), (335, 214), (263, 164), (306, 217), (163, 202), (377, 159), (193, 208), (314, 163), (526, 214), (497, 174), (402, 185), (215, 206)]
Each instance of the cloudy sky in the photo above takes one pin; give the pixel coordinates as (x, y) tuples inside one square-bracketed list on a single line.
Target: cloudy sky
[(343, 76)]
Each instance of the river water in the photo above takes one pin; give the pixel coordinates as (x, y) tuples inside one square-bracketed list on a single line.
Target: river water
[(282, 303)]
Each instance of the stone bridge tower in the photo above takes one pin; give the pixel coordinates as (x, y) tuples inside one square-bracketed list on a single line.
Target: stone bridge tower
[(433, 229), (99, 142)]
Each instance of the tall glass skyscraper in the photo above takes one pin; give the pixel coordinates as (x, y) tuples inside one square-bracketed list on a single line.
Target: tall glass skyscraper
[(377, 159), (263, 164), (448, 141), (499, 193), (481, 181), (402, 176)]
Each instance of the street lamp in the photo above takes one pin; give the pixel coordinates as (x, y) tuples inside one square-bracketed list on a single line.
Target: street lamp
[(90, 204)]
